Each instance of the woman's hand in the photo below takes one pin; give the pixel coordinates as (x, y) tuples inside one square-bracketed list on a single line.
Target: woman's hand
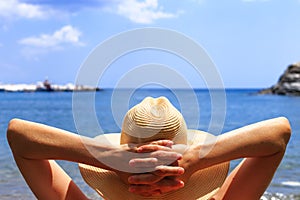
[(165, 178), (148, 161)]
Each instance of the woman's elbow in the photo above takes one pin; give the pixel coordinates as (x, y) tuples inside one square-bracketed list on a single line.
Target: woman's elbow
[(12, 133), (284, 132)]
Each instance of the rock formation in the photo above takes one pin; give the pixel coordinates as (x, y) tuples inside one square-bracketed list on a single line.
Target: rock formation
[(288, 83)]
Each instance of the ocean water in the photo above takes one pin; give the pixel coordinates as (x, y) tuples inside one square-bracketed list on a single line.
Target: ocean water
[(242, 107)]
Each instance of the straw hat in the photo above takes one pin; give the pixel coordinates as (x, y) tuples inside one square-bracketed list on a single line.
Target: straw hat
[(155, 119)]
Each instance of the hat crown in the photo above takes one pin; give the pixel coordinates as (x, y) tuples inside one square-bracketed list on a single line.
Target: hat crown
[(153, 119)]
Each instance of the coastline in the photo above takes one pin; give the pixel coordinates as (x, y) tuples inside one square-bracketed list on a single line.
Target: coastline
[(45, 86)]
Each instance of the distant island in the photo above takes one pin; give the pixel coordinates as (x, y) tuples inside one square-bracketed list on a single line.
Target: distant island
[(45, 86), (288, 83)]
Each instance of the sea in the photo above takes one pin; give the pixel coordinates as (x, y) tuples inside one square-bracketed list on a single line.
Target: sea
[(238, 108)]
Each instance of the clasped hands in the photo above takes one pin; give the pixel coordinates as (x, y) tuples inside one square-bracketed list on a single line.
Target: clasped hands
[(158, 167)]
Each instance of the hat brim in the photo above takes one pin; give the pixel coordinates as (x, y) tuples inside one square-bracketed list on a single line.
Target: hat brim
[(202, 185)]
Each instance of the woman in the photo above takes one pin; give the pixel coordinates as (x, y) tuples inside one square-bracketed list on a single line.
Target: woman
[(36, 146)]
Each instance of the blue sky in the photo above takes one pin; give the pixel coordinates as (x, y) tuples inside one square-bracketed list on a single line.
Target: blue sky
[(250, 41)]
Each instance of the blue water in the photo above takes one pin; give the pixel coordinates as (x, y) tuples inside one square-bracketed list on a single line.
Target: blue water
[(242, 107)]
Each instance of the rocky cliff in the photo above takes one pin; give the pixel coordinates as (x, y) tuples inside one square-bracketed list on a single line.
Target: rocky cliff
[(288, 83)]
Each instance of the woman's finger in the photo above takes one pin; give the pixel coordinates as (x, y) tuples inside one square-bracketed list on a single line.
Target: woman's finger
[(164, 171), (153, 177), (155, 159), (144, 162), (165, 156), (151, 147), (169, 184), (165, 185), (145, 179), (166, 143)]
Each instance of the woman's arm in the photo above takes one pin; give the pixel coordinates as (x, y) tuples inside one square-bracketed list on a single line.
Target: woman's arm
[(35, 146), (262, 144), (263, 150), (261, 139), (37, 142)]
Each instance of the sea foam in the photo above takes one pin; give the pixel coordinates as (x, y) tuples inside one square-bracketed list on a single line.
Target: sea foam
[(291, 183)]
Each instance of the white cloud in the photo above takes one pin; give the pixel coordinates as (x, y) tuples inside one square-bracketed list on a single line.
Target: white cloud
[(17, 9), (138, 11), (65, 35), (143, 12)]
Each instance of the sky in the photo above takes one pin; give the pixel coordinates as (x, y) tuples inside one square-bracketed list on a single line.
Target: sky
[(251, 42)]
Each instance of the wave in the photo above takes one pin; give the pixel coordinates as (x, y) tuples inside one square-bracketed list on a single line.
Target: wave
[(291, 183), (279, 196)]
